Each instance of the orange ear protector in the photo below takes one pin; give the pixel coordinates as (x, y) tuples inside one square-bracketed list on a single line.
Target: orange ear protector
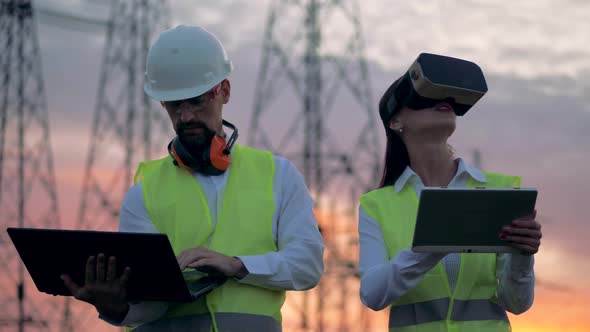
[(213, 160)]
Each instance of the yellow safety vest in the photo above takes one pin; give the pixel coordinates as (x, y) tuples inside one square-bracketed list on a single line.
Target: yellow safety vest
[(431, 306), (178, 208)]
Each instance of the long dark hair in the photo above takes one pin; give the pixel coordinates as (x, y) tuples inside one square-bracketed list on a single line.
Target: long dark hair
[(396, 153)]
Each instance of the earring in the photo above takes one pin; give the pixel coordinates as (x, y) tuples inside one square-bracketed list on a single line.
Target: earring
[(401, 130)]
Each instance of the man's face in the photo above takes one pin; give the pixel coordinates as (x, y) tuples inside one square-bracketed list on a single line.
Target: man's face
[(196, 120)]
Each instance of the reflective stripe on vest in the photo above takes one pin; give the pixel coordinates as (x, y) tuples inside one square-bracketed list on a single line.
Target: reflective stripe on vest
[(477, 310), (418, 313), (226, 322), (436, 310)]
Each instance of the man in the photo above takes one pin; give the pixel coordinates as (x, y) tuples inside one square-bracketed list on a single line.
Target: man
[(229, 210)]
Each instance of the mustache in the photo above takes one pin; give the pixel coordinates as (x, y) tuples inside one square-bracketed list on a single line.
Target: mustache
[(191, 125)]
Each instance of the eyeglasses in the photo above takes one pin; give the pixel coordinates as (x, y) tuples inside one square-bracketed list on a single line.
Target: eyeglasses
[(198, 101)]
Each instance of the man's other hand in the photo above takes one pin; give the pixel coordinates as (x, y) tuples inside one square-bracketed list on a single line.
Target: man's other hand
[(102, 288)]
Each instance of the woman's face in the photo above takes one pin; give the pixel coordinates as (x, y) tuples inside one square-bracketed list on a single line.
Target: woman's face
[(439, 120)]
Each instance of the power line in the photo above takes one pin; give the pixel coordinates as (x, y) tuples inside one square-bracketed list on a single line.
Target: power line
[(64, 19)]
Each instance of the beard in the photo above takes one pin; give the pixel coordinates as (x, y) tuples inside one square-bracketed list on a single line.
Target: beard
[(195, 143)]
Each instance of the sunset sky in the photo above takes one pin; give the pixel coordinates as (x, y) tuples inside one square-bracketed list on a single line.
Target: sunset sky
[(534, 121)]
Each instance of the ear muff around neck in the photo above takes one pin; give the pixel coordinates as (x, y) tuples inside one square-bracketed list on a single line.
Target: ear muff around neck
[(182, 158), (219, 159), (213, 160)]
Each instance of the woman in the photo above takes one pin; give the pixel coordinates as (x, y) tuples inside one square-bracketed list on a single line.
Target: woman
[(432, 291)]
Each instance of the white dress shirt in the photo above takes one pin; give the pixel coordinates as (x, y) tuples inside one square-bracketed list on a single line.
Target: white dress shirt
[(298, 263), (383, 281)]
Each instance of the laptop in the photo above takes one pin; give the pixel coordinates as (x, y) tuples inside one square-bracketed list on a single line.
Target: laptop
[(155, 274), (469, 219)]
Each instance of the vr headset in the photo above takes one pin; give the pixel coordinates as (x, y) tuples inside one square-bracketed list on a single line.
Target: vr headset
[(432, 79)]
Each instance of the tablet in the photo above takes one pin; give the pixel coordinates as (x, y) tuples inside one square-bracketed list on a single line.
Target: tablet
[(155, 274), (469, 219)]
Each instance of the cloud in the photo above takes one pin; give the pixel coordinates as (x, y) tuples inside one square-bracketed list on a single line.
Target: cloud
[(486, 32), (500, 36), (237, 23)]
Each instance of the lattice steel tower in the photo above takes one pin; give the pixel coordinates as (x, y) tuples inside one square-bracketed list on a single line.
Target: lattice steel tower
[(127, 126), (313, 57), (28, 193)]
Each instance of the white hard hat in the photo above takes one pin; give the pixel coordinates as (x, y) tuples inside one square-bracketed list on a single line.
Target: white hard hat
[(185, 62)]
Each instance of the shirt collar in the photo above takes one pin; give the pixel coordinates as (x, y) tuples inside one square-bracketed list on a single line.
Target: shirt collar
[(473, 171), (408, 175), (404, 178)]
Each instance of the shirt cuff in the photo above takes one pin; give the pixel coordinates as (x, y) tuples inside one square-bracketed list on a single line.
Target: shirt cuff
[(256, 266), (139, 313), (521, 263), (262, 274)]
